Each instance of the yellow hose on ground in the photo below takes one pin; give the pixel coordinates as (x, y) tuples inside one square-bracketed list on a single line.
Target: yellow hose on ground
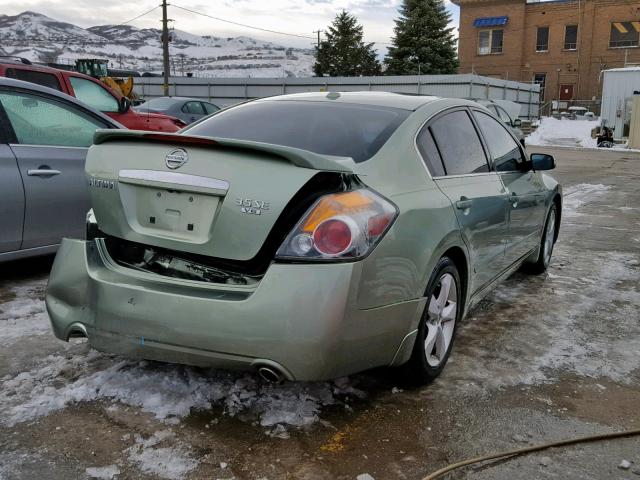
[(535, 448)]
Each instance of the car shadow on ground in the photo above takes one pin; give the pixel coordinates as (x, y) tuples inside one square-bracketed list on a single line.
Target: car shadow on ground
[(27, 268)]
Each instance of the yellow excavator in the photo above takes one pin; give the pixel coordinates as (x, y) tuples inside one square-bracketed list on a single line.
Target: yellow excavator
[(98, 68)]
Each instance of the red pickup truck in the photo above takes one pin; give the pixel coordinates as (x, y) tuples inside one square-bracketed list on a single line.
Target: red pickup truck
[(92, 92)]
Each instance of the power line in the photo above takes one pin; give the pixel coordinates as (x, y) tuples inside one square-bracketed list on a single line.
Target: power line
[(139, 16), (242, 24)]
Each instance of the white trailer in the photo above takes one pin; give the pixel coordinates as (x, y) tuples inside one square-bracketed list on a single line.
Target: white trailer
[(618, 87)]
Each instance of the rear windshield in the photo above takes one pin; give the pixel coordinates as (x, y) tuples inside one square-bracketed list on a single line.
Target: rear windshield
[(41, 78), (340, 129), (158, 103)]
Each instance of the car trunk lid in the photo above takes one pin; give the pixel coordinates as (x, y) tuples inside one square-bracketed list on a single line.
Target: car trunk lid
[(219, 198)]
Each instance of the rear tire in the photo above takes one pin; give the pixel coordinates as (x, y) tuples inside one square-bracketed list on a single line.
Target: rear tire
[(547, 242), (437, 328)]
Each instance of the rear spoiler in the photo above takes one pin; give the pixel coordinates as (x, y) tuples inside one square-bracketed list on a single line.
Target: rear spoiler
[(298, 157)]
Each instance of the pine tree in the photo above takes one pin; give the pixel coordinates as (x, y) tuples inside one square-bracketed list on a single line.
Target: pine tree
[(423, 41), (344, 53)]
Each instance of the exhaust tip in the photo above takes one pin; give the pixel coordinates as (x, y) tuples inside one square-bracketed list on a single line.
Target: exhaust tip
[(270, 375), (77, 334)]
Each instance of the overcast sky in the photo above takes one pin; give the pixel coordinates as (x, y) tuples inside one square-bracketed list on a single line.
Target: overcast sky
[(293, 16)]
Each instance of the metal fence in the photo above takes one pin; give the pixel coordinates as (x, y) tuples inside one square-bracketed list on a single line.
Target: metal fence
[(227, 91)]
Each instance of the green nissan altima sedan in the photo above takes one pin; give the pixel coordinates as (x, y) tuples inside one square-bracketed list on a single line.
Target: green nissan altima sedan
[(306, 236)]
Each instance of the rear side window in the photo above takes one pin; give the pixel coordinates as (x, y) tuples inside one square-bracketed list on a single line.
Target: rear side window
[(210, 107), (459, 144), (193, 108), (504, 116), (504, 150), (93, 95), (429, 152), (327, 128), (37, 120), (41, 78)]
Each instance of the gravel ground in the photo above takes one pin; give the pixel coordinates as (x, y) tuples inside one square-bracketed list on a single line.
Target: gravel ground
[(543, 358)]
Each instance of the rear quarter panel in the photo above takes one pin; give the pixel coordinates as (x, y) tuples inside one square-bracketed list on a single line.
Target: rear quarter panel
[(399, 268)]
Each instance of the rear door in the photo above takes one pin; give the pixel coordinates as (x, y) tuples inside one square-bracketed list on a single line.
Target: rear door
[(11, 194), (50, 140), (475, 191), (525, 189), (193, 111)]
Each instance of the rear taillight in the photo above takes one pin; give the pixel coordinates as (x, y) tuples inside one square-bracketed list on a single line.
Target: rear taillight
[(340, 226)]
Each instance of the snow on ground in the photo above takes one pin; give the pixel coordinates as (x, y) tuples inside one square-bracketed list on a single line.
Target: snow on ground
[(25, 315), (564, 339), (103, 473), (577, 195), (172, 462), (563, 133), (170, 392)]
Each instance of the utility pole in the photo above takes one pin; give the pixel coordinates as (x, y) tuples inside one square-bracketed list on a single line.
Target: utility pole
[(318, 32), (165, 49)]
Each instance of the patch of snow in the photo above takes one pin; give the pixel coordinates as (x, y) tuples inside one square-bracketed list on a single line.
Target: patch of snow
[(23, 316), (103, 473), (625, 465), (172, 462), (577, 195), (541, 339), (563, 133), (364, 476), (170, 392)]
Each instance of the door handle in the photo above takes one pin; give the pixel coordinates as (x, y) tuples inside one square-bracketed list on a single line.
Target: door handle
[(463, 203), (43, 172), (515, 199)]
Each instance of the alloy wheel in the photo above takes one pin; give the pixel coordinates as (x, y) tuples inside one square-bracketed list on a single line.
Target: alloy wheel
[(549, 236), (441, 320)]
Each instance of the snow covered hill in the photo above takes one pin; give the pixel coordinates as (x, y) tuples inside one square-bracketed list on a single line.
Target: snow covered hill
[(43, 39)]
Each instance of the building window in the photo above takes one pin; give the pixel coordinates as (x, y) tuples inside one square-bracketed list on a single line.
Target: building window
[(542, 39), (624, 34), (571, 37), (490, 41), (540, 79)]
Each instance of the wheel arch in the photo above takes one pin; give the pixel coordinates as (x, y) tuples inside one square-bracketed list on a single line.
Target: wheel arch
[(459, 257), (557, 200)]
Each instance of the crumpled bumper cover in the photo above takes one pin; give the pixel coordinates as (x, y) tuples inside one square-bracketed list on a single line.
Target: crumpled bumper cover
[(300, 318)]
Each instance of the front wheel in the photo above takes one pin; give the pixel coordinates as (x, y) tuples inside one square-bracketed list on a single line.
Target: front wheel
[(547, 242), (438, 324)]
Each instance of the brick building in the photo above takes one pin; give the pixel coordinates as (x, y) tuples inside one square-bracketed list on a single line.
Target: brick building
[(562, 45)]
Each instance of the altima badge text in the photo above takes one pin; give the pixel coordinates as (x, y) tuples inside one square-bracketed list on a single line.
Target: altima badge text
[(176, 158), (252, 207), (99, 183)]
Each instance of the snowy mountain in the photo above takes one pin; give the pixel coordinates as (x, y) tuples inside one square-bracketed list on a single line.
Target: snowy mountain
[(43, 39)]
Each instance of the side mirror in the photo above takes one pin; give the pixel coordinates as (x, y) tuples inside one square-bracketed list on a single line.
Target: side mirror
[(517, 122), (124, 105), (542, 161)]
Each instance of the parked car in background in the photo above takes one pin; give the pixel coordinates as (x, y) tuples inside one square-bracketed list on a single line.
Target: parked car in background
[(305, 236), (90, 91), (579, 113), (513, 122), (44, 136), (185, 108)]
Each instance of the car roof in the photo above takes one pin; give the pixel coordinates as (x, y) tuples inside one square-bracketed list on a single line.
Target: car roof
[(381, 99), (30, 66), (34, 87), (181, 99)]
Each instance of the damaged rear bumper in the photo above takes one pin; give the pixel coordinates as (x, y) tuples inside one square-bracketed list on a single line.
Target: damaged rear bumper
[(299, 319)]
